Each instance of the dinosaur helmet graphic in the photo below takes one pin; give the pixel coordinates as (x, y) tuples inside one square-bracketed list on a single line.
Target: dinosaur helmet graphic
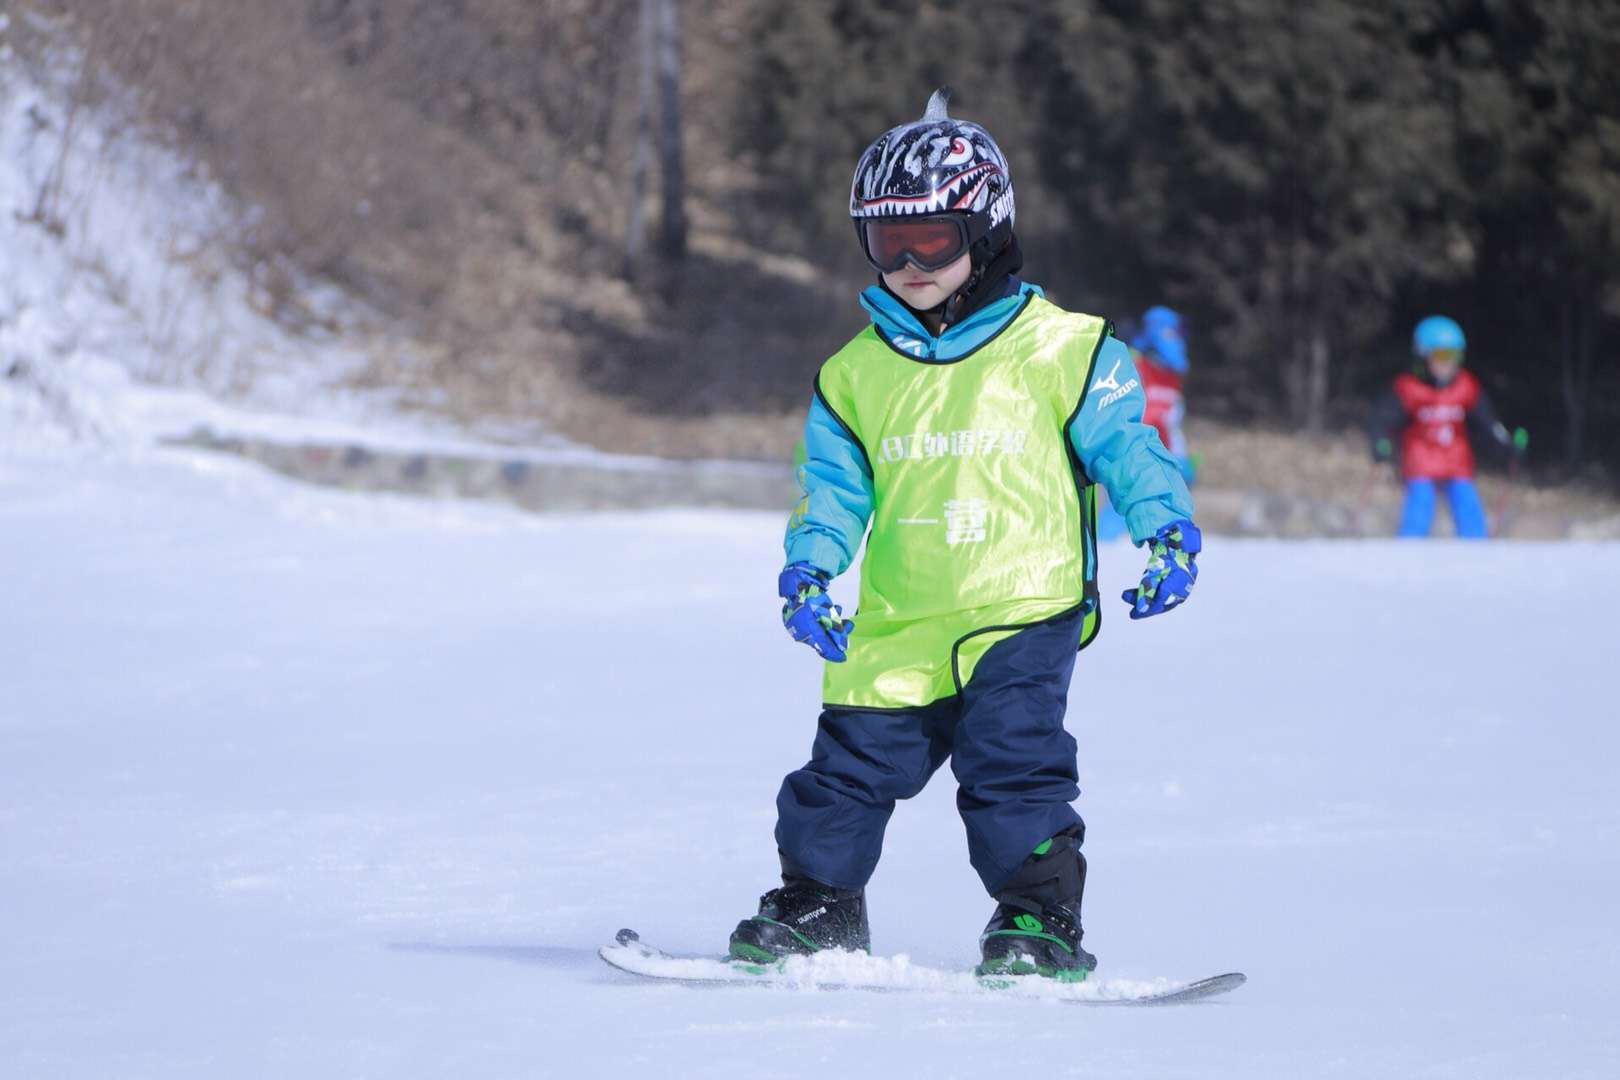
[(938, 168)]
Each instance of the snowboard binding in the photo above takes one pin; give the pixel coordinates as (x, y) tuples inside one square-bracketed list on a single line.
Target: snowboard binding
[(801, 918)]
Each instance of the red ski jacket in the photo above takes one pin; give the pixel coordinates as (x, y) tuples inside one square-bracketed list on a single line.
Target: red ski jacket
[(1165, 406), (1434, 443)]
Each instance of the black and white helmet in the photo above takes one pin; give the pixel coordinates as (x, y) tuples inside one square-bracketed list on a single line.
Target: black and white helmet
[(934, 166)]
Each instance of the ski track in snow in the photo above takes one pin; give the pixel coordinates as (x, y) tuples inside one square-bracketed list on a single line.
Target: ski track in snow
[(294, 782)]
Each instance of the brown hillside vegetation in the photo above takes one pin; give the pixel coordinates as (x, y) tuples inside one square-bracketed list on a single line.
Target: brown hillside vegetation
[(464, 169), (460, 167)]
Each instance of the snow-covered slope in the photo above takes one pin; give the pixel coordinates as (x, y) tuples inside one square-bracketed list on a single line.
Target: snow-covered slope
[(123, 321), (121, 316), (297, 783)]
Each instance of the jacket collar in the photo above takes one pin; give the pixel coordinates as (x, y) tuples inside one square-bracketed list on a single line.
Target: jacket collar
[(899, 326)]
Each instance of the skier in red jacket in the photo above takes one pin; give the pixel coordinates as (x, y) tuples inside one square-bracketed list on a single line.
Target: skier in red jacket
[(1161, 360), (1430, 411), (1159, 351)]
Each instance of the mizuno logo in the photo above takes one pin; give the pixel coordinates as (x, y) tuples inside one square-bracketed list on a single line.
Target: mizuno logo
[(915, 346), (1110, 383), (1115, 395)]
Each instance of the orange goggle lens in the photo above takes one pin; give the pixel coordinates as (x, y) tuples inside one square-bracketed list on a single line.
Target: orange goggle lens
[(929, 243), (1445, 356)]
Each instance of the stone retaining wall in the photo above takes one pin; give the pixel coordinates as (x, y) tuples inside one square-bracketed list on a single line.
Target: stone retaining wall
[(533, 482), (554, 483)]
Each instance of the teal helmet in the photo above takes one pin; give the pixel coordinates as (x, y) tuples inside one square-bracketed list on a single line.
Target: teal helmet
[(1437, 332), (1161, 336)]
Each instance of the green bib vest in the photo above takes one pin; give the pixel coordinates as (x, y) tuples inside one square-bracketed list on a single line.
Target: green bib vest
[(982, 520)]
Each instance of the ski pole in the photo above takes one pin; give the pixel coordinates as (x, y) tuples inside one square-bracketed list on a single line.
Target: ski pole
[(1507, 503), (1364, 503)]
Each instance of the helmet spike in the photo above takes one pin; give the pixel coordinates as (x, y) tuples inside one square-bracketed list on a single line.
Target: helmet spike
[(937, 102)]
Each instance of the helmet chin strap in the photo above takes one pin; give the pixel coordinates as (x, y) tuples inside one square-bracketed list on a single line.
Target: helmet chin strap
[(989, 272)]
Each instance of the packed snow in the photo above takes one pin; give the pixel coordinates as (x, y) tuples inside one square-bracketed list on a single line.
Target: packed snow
[(294, 782)]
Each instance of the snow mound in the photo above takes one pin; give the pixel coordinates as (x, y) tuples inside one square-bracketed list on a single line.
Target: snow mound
[(113, 282)]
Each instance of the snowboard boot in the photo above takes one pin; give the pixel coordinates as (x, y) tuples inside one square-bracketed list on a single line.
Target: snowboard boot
[(1036, 926), (800, 918)]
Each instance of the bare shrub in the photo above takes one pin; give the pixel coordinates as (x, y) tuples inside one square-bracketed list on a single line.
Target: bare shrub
[(463, 167)]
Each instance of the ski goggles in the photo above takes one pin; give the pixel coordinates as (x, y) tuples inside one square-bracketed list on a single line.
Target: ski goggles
[(1444, 356), (929, 243)]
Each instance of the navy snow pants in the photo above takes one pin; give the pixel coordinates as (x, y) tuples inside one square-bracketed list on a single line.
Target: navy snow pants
[(1013, 760)]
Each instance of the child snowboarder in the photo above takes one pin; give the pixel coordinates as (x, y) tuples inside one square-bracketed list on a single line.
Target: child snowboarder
[(1430, 409), (967, 425)]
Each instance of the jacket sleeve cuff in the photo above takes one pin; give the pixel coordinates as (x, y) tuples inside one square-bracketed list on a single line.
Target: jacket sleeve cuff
[(1149, 516), (819, 551)]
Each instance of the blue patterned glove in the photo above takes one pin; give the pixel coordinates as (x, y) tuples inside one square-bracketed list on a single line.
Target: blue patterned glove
[(1171, 570), (809, 613)]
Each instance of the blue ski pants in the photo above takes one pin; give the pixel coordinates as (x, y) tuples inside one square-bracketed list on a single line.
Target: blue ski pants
[(1467, 512), (1014, 764)]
